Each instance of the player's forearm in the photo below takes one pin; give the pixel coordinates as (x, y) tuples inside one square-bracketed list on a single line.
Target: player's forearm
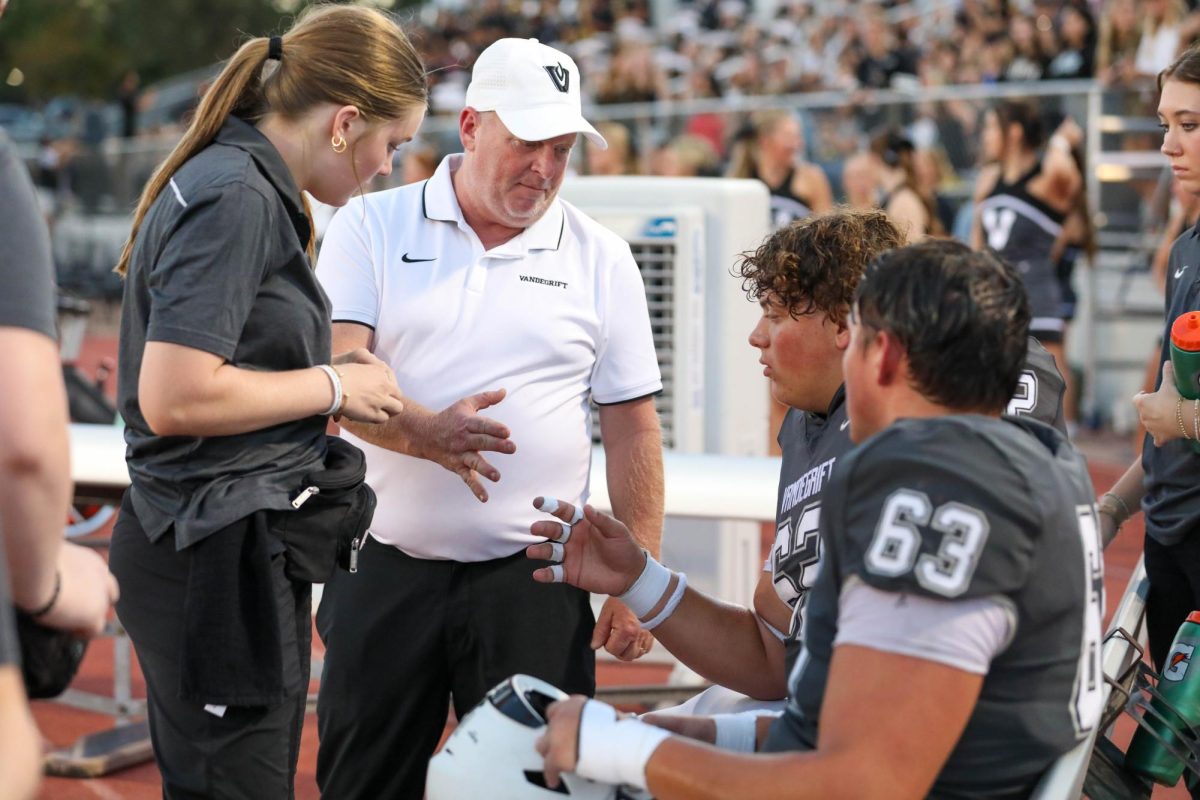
[(684, 770), (635, 483), (749, 659)]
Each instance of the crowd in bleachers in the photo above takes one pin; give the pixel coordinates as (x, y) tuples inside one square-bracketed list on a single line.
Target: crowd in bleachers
[(720, 49), (724, 51)]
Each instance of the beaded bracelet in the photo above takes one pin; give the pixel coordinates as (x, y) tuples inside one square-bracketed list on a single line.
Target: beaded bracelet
[(1179, 417)]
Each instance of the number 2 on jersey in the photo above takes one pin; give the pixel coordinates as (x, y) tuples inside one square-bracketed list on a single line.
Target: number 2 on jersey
[(1024, 401)]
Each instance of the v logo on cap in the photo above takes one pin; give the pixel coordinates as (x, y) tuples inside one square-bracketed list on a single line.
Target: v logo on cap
[(561, 77)]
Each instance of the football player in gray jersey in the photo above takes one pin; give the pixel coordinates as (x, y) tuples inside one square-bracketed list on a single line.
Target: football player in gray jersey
[(803, 277), (952, 640)]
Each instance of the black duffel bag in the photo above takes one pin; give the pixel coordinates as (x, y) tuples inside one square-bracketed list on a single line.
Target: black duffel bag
[(49, 657), (329, 517)]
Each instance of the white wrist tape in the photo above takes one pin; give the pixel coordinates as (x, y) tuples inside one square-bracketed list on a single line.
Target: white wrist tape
[(669, 608), (336, 382), (648, 589), (615, 750), (737, 732)]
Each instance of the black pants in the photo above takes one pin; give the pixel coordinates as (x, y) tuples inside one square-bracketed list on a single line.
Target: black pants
[(250, 752), (403, 634), (1174, 573)]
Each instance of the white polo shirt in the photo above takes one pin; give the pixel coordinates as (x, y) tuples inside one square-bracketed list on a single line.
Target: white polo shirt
[(552, 315)]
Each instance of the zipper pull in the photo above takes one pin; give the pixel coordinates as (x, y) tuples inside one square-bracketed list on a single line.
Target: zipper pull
[(302, 498), (355, 546)]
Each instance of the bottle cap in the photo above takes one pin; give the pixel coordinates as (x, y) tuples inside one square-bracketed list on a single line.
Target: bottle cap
[(1185, 332), (1194, 617)]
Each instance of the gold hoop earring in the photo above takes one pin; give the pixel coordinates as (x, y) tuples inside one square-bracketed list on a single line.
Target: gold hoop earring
[(337, 143)]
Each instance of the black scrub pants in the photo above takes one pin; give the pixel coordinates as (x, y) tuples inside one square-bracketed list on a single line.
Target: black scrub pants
[(249, 753), (1174, 573), (403, 635)]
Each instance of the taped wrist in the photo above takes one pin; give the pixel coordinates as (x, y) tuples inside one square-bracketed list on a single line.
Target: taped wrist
[(613, 750), (648, 589)]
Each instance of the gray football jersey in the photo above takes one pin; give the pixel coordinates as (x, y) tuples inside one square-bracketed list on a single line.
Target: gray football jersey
[(811, 446), (1040, 392), (971, 507)]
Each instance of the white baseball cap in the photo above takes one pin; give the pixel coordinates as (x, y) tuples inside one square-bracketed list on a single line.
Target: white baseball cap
[(533, 88)]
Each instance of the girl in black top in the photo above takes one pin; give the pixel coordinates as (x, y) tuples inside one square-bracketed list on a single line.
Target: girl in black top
[(769, 148), (226, 385), (1021, 200), (901, 197), (1163, 481)]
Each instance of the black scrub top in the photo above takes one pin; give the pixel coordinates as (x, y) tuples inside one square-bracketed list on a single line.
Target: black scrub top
[(219, 265)]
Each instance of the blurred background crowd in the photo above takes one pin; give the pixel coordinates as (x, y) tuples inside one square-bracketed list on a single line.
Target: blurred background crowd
[(814, 94)]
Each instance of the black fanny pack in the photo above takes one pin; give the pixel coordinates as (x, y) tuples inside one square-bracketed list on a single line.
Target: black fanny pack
[(49, 657), (332, 512)]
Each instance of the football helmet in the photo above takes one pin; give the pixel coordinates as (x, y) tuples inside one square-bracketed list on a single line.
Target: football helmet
[(491, 753)]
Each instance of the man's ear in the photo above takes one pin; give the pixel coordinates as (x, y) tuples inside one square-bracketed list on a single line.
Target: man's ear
[(468, 127), (841, 337), (891, 363)]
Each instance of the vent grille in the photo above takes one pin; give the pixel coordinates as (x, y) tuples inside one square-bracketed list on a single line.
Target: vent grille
[(656, 261)]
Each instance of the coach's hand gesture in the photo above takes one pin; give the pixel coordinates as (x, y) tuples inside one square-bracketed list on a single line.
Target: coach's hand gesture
[(457, 437)]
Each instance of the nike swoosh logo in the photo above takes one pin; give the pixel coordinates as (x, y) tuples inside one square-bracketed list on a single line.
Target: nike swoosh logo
[(1179, 272), (408, 260), (844, 425)]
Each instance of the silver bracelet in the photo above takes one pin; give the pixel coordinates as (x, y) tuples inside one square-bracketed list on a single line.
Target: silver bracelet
[(336, 381)]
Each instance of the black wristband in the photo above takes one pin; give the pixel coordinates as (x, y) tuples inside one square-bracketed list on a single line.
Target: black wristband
[(44, 610)]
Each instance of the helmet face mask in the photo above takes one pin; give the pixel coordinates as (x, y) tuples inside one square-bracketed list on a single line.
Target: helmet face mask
[(492, 753)]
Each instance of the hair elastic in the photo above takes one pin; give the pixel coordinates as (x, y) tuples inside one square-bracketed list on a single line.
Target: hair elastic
[(275, 48)]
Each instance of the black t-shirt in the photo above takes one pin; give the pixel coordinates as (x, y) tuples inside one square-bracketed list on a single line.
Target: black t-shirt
[(27, 275), (220, 266), (26, 267), (965, 507), (1172, 500)]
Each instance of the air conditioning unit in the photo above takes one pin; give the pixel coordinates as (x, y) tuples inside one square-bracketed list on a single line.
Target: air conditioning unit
[(686, 234)]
